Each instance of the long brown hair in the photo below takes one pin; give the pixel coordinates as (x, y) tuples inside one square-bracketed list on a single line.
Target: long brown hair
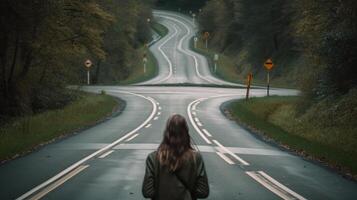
[(175, 147)]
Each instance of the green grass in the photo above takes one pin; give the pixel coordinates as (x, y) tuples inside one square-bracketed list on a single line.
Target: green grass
[(276, 118), (227, 70), (24, 134), (137, 74), (160, 29)]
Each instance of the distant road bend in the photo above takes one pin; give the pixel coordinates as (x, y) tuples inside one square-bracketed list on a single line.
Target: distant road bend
[(108, 160)]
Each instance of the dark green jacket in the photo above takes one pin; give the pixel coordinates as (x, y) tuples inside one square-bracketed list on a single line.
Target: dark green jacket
[(189, 182)]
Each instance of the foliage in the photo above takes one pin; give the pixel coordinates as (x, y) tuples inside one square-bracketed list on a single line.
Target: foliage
[(44, 43)]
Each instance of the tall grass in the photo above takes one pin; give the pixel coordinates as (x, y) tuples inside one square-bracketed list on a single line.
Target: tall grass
[(23, 134), (312, 134)]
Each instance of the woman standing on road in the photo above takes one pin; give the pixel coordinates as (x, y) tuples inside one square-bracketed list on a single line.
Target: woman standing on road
[(175, 170)]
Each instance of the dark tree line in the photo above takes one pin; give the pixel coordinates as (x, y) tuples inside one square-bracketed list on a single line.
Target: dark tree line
[(317, 36), (43, 44)]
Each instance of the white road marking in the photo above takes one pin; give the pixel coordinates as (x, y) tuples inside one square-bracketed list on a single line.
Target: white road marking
[(59, 182), (106, 154), (156, 118), (230, 153), (159, 107), (132, 137), (194, 113), (194, 105), (196, 119), (274, 186), (194, 124), (206, 132), (148, 126), (166, 57), (199, 124), (100, 151), (159, 113), (225, 158)]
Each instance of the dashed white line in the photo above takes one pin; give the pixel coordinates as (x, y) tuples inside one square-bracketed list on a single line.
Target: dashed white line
[(159, 107), (230, 153), (132, 137), (199, 124), (194, 113), (148, 126), (225, 158), (159, 113), (106, 154), (156, 118), (206, 132), (106, 148), (193, 122)]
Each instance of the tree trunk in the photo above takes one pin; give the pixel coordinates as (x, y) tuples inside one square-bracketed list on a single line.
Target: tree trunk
[(13, 65)]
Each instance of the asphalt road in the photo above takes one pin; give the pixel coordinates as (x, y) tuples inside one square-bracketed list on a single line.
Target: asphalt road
[(108, 160)]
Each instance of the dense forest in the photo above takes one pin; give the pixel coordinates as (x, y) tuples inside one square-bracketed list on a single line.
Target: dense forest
[(44, 43), (314, 39)]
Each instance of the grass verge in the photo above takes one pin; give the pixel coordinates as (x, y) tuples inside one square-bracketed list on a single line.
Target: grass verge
[(160, 29), (275, 119), (137, 74), (28, 133)]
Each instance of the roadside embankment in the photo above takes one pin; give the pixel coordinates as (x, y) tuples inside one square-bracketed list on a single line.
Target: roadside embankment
[(320, 133), (138, 74), (25, 134)]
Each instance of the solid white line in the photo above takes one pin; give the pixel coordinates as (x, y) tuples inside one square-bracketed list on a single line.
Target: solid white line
[(106, 154), (100, 151), (225, 158), (166, 57), (230, 153), (206, 132), (156, 118), (59, 182), (148, 126), (188, 52), (132, 137), (296, 195), (193, 122)]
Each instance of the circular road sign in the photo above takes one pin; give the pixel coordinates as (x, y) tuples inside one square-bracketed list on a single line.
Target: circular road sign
[(88, 63)]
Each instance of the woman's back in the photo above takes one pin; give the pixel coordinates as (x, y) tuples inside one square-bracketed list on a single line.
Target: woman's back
[(175, 170), (187, 182)]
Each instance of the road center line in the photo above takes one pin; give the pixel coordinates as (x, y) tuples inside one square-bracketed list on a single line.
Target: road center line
[(132, 137), (274, 186), (230, 153), (225, 158), (59, 182), (106, 154)]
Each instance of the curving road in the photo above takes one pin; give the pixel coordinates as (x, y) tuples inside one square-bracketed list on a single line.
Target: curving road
[(108, 160)]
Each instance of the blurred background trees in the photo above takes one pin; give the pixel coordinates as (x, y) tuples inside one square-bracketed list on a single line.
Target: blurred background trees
[(43, 44)]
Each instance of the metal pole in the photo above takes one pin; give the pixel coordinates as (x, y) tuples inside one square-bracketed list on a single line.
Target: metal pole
[(268, 80), (88, 77), (206, 43), (144, 67), (215, 67)]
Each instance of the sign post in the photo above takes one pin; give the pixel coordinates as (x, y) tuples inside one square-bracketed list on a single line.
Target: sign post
[(195, 39), (249, 82), (145, 60), (216, 57), (88, 64), (269, 66), (193, 18), (206, 36)]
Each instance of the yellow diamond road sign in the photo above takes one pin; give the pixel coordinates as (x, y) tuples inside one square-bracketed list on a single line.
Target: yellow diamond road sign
[(269, 64)]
